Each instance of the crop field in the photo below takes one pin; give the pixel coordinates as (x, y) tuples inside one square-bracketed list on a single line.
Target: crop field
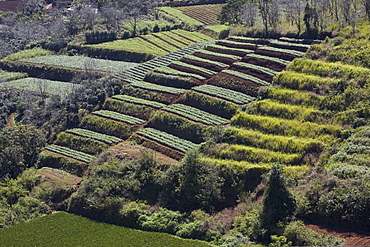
[(159, 88), (203, 62), (167, 139), (247, 77), (9, 76), (229, 50), (63, 229), (171, 71), (80, 62), (206, 14), (42, 86), (182, 17), (139, 101), (189, 68), (70, 153), (195, 114), (119, 117), (257, 68), (95, 135)]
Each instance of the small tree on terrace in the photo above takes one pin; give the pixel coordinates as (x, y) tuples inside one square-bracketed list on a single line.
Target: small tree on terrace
[(278, 203)]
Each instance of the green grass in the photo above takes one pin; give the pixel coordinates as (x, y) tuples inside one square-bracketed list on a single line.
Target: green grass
[(95, 135), (224, 93), (35, 52), (9, 76), (44, 86), (218, 28), (63, 229), (181, 16), (80, 62), (195, 36), (171, 71)]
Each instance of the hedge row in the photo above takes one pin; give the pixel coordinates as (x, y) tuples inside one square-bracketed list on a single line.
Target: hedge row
[(170, 80)]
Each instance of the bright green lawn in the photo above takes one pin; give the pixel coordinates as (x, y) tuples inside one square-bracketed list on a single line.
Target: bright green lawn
[(63, 229)]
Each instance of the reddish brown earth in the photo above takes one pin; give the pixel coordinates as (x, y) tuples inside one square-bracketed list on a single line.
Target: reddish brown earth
[(189, 70), (256, 73), (11, 6), (264, 63), (352, 238), (203, 64), (215, 58)]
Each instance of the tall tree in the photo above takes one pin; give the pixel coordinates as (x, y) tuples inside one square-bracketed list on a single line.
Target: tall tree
[(232, 11)]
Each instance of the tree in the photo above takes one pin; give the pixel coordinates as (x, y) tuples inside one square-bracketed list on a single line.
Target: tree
[(232, 12), (249, 13), (278, 203)]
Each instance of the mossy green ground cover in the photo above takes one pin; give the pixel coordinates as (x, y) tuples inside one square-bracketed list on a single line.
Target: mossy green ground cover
[(63, 229)]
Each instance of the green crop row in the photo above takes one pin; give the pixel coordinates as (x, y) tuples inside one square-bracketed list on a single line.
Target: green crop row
[(273, 142), (106, 126), (119, 117), (249, 39), (159, 42), (196, 36), (337, 70), (82, 144), (247, 77), (239, 167), (305, 41), (223, 93), (81, 62), (253, 155), (207, 61), (213, 105), (256, 67), (172, 40), (234, 83), (175, 36), (195, 114), (178, 126), (139, 101), (181, 16), (95, 135), (132, 109), (275, 109), (70, 153), (42, 86), (60, 161), (278, 126), (232, 42), (293, 45), (193, 67), (280, 50), (175, 72), (155, 87), (294, 97), (9, 76), (217, 54), (301, 81), (273, 59), (170, 80), (167, 139), (225, 48), (24, 54)]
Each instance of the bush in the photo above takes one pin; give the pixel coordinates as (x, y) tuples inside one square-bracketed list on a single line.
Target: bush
[(79, 143)]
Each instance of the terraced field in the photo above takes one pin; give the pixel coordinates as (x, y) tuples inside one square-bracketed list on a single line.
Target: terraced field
[(206, 14)]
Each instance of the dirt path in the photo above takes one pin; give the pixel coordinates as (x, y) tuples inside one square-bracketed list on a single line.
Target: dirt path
[(352, 238)]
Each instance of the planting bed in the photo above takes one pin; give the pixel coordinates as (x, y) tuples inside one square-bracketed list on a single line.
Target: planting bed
[(206, 14)]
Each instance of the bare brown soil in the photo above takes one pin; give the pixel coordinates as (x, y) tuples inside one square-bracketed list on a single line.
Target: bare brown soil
[(352, 238), (253, 72), (189, 70), (264, 63), (203, 64), (11, 6)]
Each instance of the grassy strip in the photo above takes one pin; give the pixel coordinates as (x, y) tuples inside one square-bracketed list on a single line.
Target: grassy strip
[(195, 114), (273, 59), (170, 80), (155, 87), (193, 67), (337, 70), (139, 101), (228, 49), (71, 230), (251, 40), (278, 126), (216, 54), (294, 97), (173, 36), (80, 62), (273, 142), (272, 108), (70, 153), (42, 86), (167, 139), (256, 67), (301, 81), (207, 61), (161, 43), (247, 77), (119, 117), (79, 143), (107, 126), (213, 105), (131, 109), (197, 37), (236, 43), (179, 126), (171, 71), (239, 167), (24, 54), (254, 155), (95, 135), (9, 76), (227, 94), (182, 17), (281, 50)]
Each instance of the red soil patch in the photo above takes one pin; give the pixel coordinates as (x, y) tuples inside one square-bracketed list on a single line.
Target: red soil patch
[(253, 72), (189, 70), (11, 6), (203, 64), (280, 55), (264, 63), (215, 58), (352, 238)]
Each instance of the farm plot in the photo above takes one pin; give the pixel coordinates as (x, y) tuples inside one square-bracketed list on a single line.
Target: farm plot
[(163, 44), (171, 40), (159, 88), (285, 54), (206, 63), (80, 62), (238, 44), (42, 86), (223, 93), (182, 17), (196, 115), (206, 14), (260, 72), (139, 101), (9, 76), (167, 139), (189, 68), (273, 63), (250, 40), (216, 56), (289, 45), (70, 153), (119, 117), (228, 50), (247, 77), (95, 135), (175, 72), (193, 36)]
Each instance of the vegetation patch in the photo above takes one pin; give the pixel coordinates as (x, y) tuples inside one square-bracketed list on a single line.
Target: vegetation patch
[(131, 109), (223, 93), (9, 76), (159, 88), (170, 80), (95, 135), (70, 153)]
